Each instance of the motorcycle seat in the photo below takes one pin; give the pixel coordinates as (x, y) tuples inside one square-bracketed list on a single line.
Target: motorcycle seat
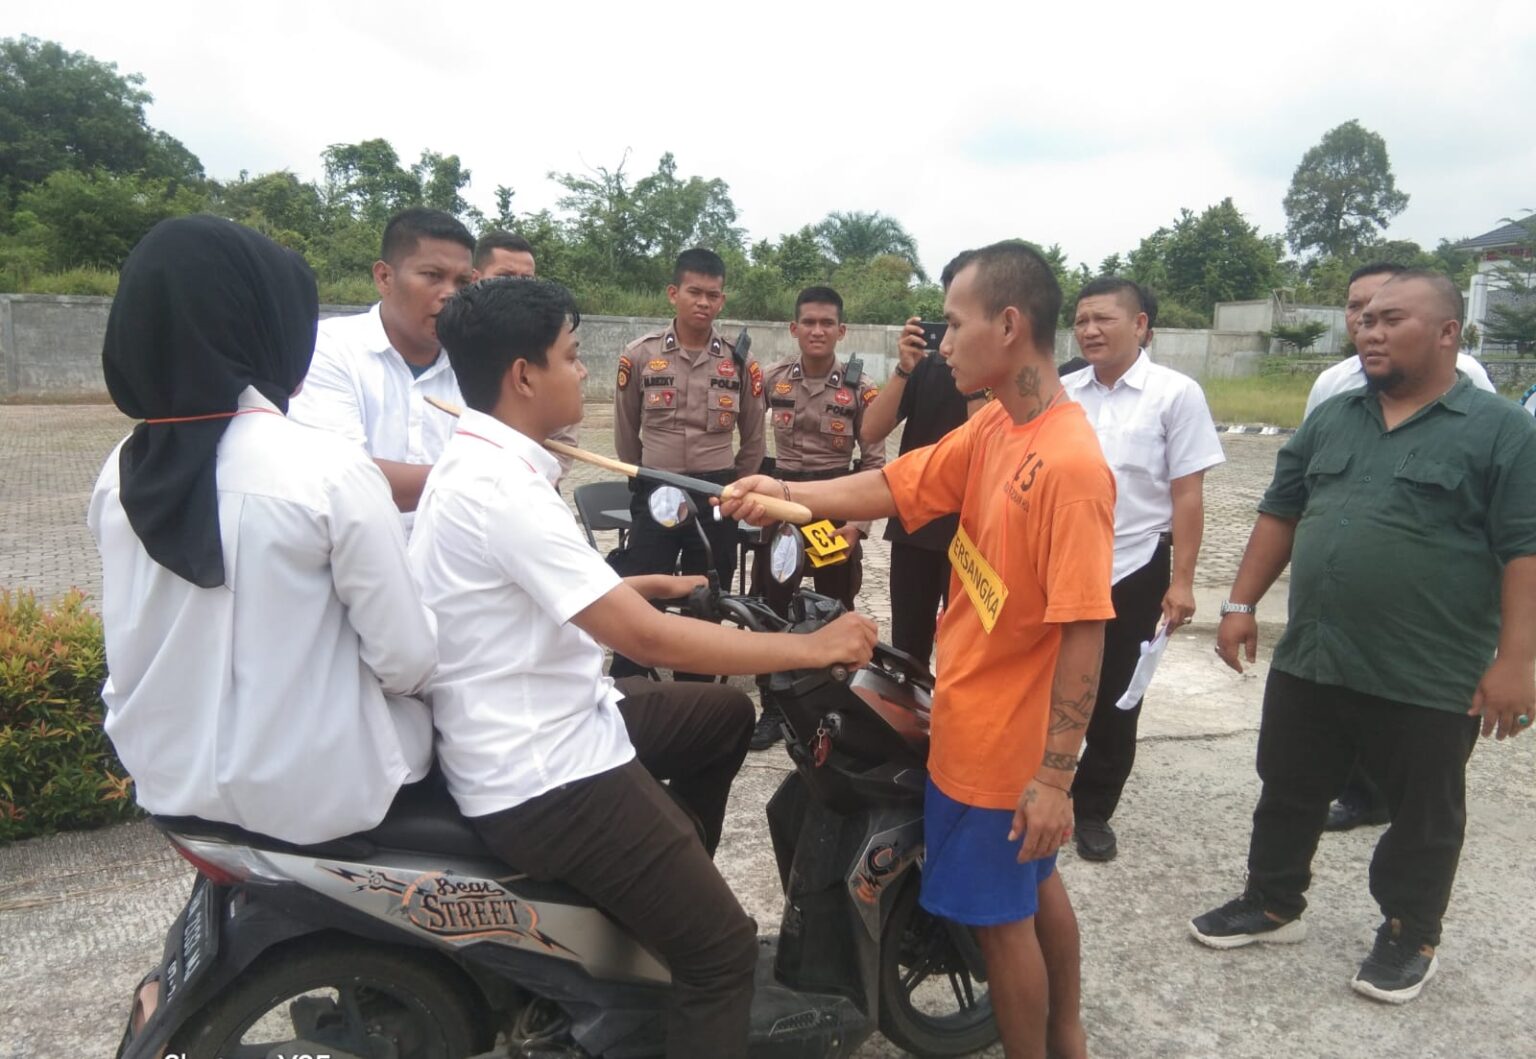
[(422, 819)]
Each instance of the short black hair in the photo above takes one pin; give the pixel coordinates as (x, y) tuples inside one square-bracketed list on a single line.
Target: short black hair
[(1014, 273), (497, 239), (1452, 302), (819, 296), (952, 269), (699, 261), (489, 325), (408, 227), (1126, 290), (1375, 268)]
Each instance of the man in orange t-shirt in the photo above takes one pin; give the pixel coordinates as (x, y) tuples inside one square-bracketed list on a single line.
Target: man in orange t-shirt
[(1020, 644)]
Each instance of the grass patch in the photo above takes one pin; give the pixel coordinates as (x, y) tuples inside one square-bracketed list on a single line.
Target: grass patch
[(1268, 400)]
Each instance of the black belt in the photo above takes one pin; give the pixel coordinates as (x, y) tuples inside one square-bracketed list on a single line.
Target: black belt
[(1165, 538)]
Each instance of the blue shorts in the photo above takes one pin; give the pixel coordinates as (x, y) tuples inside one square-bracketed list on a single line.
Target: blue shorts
[(971, 872)]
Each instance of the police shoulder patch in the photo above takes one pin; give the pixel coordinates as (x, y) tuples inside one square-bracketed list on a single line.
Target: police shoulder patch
[(870, 394), (755, 371), (626, 368)]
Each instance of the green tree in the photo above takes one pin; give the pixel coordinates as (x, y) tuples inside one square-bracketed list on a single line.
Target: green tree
[(797, 257), (627, 234), (366, 181), (857, 236), (1343, 193), (63, 110), (1216, 256), (278, 204), (92, 219), (442, 180), (1511, 319)]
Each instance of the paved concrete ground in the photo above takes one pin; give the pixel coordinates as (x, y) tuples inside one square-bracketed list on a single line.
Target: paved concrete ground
[(83, 915)]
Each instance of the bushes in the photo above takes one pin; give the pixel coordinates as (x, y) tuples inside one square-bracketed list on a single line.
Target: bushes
[(57, 769)]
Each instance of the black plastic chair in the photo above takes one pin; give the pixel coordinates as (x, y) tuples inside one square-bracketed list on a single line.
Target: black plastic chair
[(603, 506)]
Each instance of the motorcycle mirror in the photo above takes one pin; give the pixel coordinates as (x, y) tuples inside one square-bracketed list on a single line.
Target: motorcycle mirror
[(786, 554), (669, 506)]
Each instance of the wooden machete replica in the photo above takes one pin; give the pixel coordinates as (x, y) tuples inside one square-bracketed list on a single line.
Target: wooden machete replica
[(783, 510)]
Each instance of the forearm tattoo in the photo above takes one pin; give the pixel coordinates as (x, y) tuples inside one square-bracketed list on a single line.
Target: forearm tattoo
[(1059, 762), (1069, 713)]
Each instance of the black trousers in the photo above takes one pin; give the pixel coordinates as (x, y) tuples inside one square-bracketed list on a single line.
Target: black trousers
[(654, 549), (622, 840), (1308, 738), (919, 583), (1109, 749)]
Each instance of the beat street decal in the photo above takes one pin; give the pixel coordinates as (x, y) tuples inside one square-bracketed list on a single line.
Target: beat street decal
[(457, 908)]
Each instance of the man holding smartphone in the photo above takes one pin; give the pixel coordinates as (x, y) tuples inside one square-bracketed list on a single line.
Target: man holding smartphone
[(921, 391)]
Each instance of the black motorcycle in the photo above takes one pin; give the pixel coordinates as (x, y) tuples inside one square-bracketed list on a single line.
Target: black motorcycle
[(413, 940)]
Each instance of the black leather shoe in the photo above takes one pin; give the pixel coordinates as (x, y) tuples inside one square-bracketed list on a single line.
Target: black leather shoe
[(1346, 816), (769, 729), (1095, 840)]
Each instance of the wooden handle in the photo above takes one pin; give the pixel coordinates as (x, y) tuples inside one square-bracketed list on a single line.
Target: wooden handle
[(781, 509), (629, 470), (776, 506)]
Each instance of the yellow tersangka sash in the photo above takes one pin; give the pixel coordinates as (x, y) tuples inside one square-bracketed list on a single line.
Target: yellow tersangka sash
[(982, 584)]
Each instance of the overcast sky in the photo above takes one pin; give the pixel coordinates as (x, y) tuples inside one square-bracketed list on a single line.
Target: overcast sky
[(1089, 124)]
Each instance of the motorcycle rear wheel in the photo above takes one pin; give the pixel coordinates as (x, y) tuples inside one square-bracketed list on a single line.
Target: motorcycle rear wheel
[(347, 998), (930, 1004)]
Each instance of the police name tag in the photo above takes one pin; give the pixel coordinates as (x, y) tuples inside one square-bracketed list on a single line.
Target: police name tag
[(986, 589)]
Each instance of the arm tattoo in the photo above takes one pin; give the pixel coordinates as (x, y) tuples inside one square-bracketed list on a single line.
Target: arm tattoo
[(1059, 762), (1070, 713)]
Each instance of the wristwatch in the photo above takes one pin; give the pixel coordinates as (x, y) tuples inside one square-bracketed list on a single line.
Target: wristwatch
[(1228, 607), (903, 372)]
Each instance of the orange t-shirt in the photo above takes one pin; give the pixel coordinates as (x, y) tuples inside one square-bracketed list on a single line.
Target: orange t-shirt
[(1038, 501)]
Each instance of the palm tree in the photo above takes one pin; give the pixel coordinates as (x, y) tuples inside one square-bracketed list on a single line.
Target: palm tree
[(857, 236)]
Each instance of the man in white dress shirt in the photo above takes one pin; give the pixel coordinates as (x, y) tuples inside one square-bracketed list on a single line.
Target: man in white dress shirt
[(553, 764), (372, 372), (1348, 374), (1158, 437), (262, 628)]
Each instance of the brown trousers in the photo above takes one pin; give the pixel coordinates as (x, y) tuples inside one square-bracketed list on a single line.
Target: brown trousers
[(622, 840)]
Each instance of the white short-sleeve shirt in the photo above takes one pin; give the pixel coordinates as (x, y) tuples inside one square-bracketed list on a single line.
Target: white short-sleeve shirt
[(276, 701), (1154, 426), (1349, 374), (520, 701)]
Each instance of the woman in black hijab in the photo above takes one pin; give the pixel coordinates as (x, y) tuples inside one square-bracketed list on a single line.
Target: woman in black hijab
[(204, 308)]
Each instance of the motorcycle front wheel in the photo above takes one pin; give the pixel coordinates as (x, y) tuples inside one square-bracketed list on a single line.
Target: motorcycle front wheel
[(930, 1004), (343, 998)]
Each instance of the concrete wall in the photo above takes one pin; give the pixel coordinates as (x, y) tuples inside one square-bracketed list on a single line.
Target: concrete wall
[(50, 346), (1259, 315)]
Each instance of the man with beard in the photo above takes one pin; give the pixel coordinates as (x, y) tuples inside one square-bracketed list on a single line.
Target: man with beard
[(1408, 513), (1360, 802)]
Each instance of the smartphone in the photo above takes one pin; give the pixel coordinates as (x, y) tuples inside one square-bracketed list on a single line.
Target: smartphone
[(933, 334)]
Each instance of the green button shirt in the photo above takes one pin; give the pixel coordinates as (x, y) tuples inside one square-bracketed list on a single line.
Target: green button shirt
[(1402, 540)]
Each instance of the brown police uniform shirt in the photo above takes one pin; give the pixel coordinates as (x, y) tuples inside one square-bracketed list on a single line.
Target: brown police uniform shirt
[(676, 410), (816, 421)]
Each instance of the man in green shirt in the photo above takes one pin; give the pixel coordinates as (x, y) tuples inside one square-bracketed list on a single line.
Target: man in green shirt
[(1408, 514)]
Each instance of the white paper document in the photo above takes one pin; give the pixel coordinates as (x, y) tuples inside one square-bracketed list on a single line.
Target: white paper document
[(1151, 654)]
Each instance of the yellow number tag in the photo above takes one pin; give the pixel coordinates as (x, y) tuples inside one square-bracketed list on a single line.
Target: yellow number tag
[(822, 542), (982, 585)]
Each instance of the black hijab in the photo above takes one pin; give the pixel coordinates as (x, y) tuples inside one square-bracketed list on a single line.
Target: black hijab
[(204, 308)]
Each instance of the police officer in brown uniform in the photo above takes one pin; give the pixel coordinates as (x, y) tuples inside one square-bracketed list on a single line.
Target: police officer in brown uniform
[(816, 406), (681, 396)]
